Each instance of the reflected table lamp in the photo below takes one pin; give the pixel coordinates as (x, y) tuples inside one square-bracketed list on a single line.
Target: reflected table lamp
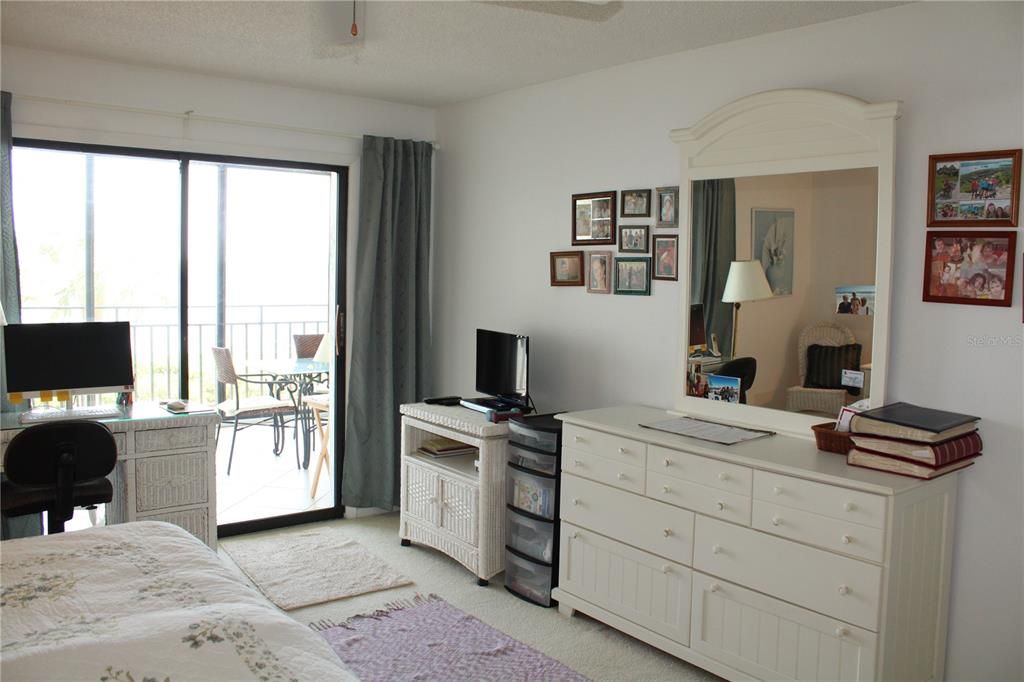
[(325, 351), (746, 282)]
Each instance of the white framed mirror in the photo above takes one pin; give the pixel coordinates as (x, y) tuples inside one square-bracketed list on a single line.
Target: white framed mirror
[(808, 177)]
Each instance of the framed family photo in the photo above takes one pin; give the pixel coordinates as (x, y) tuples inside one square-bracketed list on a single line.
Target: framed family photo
[(970, 267), (978, 189), (593, 218), (566, 268), (772, 242), (668, 207), (666, 257), (633, 276), (599, 272), (634, 238), (636, 203)]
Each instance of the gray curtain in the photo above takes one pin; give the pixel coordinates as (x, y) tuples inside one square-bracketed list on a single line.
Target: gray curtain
[(390, 316), (714, 248)]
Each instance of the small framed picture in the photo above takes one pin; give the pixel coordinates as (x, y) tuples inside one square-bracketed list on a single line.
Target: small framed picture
[(666, 257), (566, 268), (599, 272), (977, 189), (843, 421), (636, 203), (970, 267), (593, 218), (633, 276), (634, 238), (857, 299), (668, 207)]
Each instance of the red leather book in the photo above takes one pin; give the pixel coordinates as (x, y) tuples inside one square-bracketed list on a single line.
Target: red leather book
[(930, 454)]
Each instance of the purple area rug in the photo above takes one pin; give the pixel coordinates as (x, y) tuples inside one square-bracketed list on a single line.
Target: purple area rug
[(429, 639)]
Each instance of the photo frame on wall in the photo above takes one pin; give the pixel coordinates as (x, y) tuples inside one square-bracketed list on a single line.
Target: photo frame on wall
[(633, 276), (772, 242), (599, 272), (665, 251), (593, 219), (636, 203), (634, 238), (566, 268), (969, 267), (976, 189), (668, 207)]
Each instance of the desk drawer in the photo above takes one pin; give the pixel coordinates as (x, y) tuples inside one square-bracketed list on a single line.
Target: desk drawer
[(864, 542), (171, 481), (177, 438), (653, 526), (699, 498), (820, 498), (836, 586), (704, 470), (614, 472), (606, 445)]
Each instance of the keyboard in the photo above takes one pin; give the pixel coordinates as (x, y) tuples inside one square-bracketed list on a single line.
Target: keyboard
[(91, 412)]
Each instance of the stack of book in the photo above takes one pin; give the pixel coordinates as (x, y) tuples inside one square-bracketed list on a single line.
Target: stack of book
[(445, 447), (914, 441)]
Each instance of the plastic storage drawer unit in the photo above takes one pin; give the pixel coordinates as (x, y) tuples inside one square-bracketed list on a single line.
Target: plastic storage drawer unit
[(541, 432), (532, 537), (528, 579), (532, 493), (533, 460)]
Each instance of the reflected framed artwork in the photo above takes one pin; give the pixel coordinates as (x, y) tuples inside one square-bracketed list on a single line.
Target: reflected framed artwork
[(977, 189), (772, 243), (969, 267), (593, 219)]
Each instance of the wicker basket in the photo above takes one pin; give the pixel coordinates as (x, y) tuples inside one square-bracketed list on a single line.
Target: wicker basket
[(830, 440)]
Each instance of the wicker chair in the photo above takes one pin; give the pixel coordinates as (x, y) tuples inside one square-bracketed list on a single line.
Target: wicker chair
[(266, 410), (306, 344), (826, 401)]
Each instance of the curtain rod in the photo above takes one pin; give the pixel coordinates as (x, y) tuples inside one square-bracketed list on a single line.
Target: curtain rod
[(192, 116)]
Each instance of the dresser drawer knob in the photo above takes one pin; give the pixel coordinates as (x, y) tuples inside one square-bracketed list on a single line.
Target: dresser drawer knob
[(847, 539), (715, 587), (666, 489), (623, 451), (621, 476), (777, 490), (849, 506), (776, 521), (842, 632), (723, 476), (575, 502), (844, 590), (666, 569), (720, 505), (667, 532), (716, 549), (668, 462)]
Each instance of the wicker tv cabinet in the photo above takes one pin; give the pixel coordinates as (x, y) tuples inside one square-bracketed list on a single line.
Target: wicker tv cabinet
[(446, 503)]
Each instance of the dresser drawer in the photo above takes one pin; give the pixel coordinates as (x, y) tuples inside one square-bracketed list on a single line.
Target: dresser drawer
[(653, 526), (604, 445), (836, 586), (614, 472), (839, 536), (155, 440), (820, 498), (195, 521), (699, 498), (772, 640), (710, 472), (171, 481), (636, 585)]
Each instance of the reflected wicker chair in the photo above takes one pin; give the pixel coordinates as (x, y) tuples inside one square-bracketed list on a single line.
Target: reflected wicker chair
[(265, 410), (826, 401)]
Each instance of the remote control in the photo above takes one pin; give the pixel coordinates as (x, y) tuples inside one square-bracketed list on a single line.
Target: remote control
[(449, 400)]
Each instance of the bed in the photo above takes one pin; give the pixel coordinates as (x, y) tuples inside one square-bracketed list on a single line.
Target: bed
[(144, 601)]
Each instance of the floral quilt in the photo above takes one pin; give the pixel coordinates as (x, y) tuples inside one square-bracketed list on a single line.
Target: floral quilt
[(141, 602)]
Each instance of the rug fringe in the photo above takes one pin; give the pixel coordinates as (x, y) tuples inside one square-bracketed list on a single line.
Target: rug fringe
[(389, 608)]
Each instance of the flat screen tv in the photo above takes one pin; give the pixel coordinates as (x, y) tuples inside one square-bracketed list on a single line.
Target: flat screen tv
[(502, 366), (78, 357)]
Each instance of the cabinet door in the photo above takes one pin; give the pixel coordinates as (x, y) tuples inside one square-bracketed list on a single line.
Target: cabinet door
[(640, 587), (421, 496), (772, 640), (459, 509)]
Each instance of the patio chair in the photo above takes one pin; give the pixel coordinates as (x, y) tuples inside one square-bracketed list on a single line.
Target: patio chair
[(265, 410), (306, 344)]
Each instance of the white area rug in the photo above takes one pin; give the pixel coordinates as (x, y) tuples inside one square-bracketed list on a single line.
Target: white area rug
[(310, 567)]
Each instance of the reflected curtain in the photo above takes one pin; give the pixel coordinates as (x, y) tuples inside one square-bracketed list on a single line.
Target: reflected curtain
[(10, 280), (714, 248), (390, 316)]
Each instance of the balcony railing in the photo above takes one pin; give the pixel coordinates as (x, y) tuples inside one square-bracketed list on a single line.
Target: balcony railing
[(253, 333)]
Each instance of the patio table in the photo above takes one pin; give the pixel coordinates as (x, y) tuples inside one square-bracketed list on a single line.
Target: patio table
[(304, 372)]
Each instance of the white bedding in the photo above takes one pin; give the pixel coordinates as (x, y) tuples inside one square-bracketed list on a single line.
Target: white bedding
[(144, 601)]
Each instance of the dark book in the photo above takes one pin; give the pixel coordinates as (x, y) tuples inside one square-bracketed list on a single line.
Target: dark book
[(931, 454), (897, 465), (912, 422)]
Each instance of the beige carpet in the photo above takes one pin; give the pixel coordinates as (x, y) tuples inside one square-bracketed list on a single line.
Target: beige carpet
[(310, 566)]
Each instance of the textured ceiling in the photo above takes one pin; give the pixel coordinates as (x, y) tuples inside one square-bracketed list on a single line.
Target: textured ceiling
[(427, 53)]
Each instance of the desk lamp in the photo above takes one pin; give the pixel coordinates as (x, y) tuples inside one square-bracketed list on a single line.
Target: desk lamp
[(746, 282)]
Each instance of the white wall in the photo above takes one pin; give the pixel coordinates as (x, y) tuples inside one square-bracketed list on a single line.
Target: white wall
[(510, 162)]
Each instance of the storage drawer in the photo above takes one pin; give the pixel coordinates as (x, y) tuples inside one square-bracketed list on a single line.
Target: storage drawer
[(653, 526), (699, 498), (819, 498), (537, 461), (638, 586), (614, 472), (535, 539), (531, 493), (522, 434), (839, 536), (591, 442), (837, 586), (171, 481), (155, 440), (528, 579), (195, 521), (772, 640), (704, 470)]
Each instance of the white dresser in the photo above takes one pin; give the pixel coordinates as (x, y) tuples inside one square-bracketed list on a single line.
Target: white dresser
[(763, 560)]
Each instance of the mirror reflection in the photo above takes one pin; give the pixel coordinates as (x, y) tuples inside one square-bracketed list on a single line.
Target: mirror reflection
[(782, 290)]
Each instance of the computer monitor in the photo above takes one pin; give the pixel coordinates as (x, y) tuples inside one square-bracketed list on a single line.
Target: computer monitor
[(502, 365), (698, 335), (44, 360)]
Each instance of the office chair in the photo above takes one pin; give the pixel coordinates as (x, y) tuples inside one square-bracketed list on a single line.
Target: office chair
[(743, 368), (56, 467)]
